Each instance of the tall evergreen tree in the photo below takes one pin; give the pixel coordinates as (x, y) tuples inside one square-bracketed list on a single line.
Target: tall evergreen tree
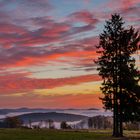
[(120, 76)]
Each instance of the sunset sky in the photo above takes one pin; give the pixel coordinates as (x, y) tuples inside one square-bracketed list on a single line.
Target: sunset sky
[(47, 48)]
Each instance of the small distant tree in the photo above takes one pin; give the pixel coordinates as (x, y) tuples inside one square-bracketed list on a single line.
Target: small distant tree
[(30, 123), (90, 122), (63, 125), (51, 124), (13, 122), (40, 124)]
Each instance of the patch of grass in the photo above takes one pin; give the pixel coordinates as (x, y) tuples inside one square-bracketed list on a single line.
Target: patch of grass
[(43, 134)]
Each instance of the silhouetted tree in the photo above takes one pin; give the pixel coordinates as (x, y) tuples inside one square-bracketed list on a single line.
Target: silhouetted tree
[(120, 75)]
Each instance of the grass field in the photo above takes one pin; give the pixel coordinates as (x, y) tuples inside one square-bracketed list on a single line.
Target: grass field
[(27, 134)]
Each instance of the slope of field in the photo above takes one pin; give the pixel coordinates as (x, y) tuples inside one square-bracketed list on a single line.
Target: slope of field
[(25, 134)]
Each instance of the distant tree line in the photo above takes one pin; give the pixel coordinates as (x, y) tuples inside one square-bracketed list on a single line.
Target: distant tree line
[(100, 122), (106, 122), (96, 122)]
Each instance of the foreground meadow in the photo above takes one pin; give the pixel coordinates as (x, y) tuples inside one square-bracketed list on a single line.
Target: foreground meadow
[(27, 134)]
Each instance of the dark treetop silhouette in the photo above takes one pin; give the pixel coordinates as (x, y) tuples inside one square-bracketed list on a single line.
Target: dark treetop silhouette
[(120, 75)]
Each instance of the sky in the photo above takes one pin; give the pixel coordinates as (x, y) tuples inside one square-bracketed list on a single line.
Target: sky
[(47, 48)]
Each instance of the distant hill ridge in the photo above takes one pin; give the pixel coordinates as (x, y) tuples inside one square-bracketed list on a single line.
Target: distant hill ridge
[(18, 110), (35, 117)]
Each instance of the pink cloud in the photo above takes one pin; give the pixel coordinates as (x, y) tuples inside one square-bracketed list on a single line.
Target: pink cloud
[(18, 56), (84, 16), (129, 3), (11, 28), (56, 30)]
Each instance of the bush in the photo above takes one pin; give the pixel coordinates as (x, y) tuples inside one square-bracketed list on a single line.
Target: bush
[(13, 122)]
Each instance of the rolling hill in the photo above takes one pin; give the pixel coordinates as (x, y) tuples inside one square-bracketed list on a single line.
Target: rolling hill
[(58, 117)]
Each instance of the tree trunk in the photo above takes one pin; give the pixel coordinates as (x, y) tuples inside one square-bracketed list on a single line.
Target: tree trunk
[(120, 110), (116, 132), (120, 93), (116, 116), (121, 122)]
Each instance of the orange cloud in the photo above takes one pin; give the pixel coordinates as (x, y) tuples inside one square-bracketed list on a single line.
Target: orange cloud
[(62, 101), (16, 83)]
